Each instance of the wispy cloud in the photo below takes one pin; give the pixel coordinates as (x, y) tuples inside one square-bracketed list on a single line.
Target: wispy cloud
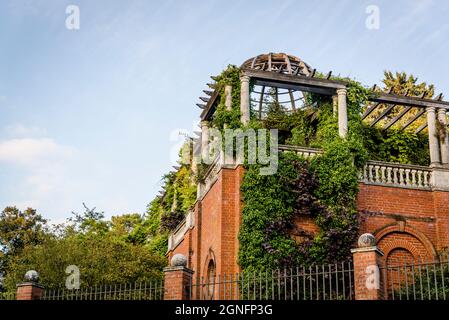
[(31, 152), (42, 165), (19, 130)]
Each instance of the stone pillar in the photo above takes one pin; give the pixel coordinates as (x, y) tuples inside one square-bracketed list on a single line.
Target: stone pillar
[(204, 140), (194, 165), (342, 113), (30, 289), (368, 279), (244, 99), (178, 279), (444, 139), (434, 146), (228, 97), (334, 105)]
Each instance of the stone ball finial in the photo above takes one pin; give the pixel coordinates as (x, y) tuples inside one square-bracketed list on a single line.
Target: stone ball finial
[(178, 260), (32, 276), (366, 240)]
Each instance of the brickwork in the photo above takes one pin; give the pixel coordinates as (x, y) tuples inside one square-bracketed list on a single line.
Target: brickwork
[(415, 221), (407, 223), (177, 283), (29, 291), (368, 283)]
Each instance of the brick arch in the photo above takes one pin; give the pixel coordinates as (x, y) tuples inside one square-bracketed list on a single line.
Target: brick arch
[(401, 236), (390, 245), (208, 289), (210, 256), (397, 256)]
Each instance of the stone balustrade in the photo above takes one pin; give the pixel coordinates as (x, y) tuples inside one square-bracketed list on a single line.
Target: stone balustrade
[(177, 235), (210, 177), (303, 152), (399, 175)]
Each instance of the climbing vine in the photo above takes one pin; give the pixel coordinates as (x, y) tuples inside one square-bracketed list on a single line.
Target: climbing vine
[(230, 76), (322, 189)]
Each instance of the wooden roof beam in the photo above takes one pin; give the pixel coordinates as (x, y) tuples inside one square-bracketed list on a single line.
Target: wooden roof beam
[(300, 80), (385, 113), (370, 110), (408, 101), (421, 128), (416, 117), (397, 118)]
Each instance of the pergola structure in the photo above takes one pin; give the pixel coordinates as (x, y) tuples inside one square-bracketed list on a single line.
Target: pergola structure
[(285, 78)]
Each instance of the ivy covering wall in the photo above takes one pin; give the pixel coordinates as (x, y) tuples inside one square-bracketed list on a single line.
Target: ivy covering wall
[(323, 189)]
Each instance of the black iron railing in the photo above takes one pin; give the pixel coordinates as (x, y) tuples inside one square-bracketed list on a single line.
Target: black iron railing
[(418, 280), (7, 296), (138, 291), (318, 282)]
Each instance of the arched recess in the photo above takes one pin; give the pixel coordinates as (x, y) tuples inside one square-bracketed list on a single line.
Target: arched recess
[(387, 241), (209, 276)]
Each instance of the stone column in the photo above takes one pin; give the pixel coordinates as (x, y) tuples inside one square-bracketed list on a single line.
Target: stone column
[(368, 279), (30, 289), (178, 279), (244, 99), (228, 97), (194, 165), (342, 113), (204, 140), (335, 105), (434, 146), (444, 139)]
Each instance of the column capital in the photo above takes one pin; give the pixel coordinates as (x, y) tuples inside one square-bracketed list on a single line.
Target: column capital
[(430, 109), (244, 78), (442, 111), (204, 123), (342, 91)]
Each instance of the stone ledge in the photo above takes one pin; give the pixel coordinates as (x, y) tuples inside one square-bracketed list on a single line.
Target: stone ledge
[(29, 284), (180, 268), (367, 249)]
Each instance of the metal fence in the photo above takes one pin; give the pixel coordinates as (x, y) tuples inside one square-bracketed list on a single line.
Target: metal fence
[(418, 280), (138, 291), (7, 296), (318, 282)]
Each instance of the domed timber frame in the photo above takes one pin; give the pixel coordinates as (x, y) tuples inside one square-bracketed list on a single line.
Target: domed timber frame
[(265, 97)]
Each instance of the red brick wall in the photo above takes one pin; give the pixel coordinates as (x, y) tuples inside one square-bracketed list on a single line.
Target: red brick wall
[(217, 223), (177, 283), (407, 223), (414, 221)]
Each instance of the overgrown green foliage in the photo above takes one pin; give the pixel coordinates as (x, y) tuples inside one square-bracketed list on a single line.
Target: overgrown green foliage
[(19, 229), (180, 196), (324, 189), (101, 260), (230, 76), (106, 252)]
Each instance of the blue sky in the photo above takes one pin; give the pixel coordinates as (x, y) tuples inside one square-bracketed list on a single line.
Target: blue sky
[(90, 115)]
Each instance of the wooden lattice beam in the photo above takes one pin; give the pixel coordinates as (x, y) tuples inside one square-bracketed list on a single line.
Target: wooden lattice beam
[(397, 118), (416, 117), (385, 113)]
